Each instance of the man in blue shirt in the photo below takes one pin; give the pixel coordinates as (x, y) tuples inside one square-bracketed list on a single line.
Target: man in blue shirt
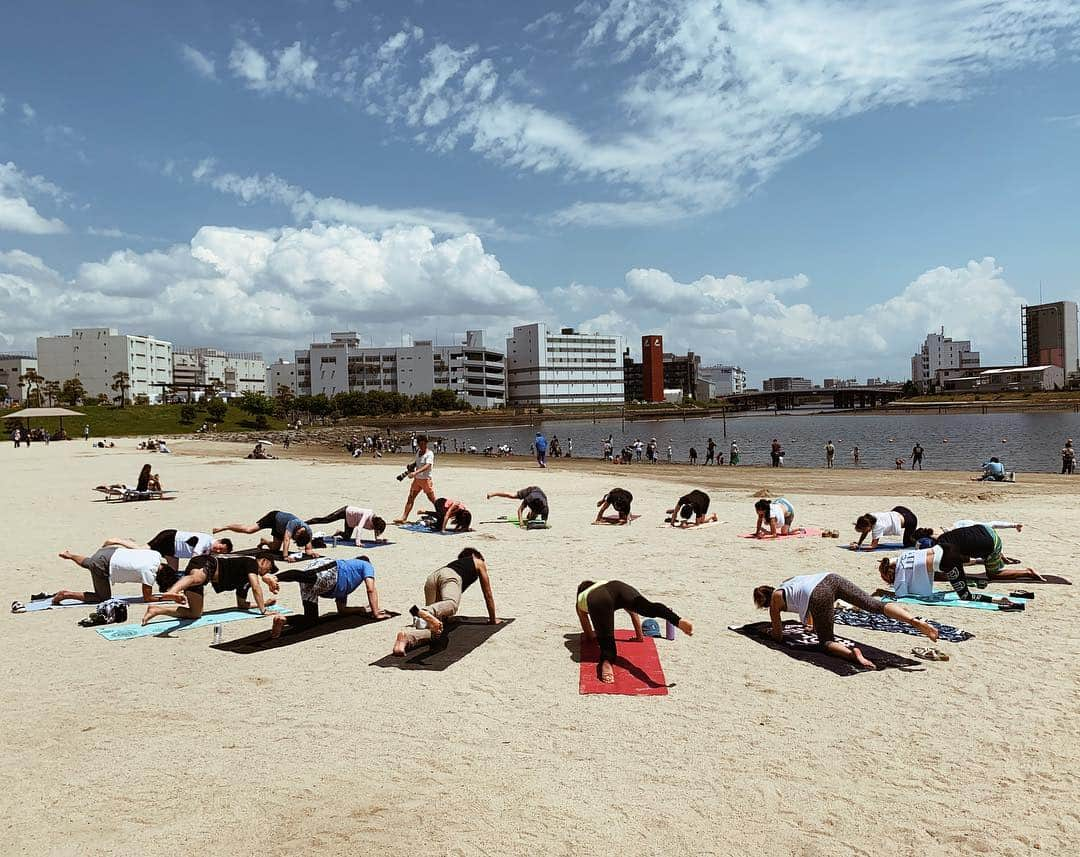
[(327, 578), (284, 527), (541, 445), (993, 471)]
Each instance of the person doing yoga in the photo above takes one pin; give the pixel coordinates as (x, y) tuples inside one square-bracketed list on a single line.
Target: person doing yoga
[(900, 521), (813, 597), (776, 516), (442, 599), (618, 499), (448, 514), (326, 578), (994, 525), (597, 602), (223, 573), (175, 545), (982, 543), (110, 564), (693, 505), (533, 499), (912, 574), (356, 521), (284, 528)]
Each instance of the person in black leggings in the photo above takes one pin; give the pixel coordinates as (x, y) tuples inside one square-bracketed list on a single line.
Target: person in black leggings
[(883, 524), (598, 601)]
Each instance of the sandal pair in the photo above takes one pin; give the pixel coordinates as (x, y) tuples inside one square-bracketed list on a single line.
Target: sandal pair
[(928, 654)]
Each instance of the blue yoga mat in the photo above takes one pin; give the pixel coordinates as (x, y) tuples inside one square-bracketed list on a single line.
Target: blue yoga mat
[(218, 617), (36, 606), (948, 598), (421, 528), (331, 542)]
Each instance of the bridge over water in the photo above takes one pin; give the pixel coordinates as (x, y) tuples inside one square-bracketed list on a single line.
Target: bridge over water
[(843, 398)]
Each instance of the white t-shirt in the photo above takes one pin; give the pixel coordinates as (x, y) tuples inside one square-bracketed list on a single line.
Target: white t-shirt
[(356, 519), (423, 458), (913, 577), (888, 524), (778, 513), (134, 566), (183, 550), (797, 591)]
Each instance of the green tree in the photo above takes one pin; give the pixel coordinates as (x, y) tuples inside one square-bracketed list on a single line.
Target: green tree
[(52, 391), (187, 414), (71, 391), (31, 383), (120, 385), (216, 408)]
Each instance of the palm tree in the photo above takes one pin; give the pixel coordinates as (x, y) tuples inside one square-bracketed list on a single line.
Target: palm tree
[(121, 384), (52, 390), (32, 381)]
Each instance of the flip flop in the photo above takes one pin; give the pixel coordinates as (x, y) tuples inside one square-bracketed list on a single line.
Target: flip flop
[(929, 654), (18, 607), (41, 596), (1022, 593), (92, 620), (1011, 607)]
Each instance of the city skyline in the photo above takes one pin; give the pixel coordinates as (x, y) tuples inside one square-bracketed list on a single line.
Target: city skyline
[(791, 187)]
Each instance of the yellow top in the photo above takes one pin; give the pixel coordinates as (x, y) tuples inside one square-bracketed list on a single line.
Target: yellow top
[(583, 596)]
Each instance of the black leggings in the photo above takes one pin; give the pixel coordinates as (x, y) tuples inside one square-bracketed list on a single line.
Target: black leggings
[(339, 515), (309, 576), (822, 603), (616, 595), (910, 523)]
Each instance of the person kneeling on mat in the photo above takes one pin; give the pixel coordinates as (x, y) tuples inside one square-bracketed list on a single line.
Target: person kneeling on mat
[(223, 573), (448, 515), (912, 573), (775, 515), (175, 545), (813, 597), (327, 578), (356, 521), (110, 564), (899, 521), (533, 499), (442, 598), (618, 499), (693, 505), (597, 602)]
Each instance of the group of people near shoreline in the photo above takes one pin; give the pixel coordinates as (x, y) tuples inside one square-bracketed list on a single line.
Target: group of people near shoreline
[(211, 561)]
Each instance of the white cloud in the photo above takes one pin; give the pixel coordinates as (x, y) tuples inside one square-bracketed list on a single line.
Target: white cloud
[(16, 212), (545, 23), (29, 113), (758, 325), (200, 63), (268, 290), (111, 232), (3, 102), (289, 70), (305, 206)]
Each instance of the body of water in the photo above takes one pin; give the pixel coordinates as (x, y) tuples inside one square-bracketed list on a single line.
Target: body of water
[(1023, 441)]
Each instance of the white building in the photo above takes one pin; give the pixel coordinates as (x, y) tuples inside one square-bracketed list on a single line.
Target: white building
[(95, 355), (546, 369), (232, 372), (342, 365), (281, 373), (727, 380), (13, 367), (939, 352)]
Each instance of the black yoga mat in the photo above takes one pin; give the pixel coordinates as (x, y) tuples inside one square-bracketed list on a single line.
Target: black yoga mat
[(331, 623), (464, 635)]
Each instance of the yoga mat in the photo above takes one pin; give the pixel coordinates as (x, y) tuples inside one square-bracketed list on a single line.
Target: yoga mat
[(800, 643), (36, 606), (880, 547), (948, 598), (465, 635), (807, 532), (417, 527), (637, 668), (667, 526), (877, 622), (218, 617), (1016, 584), (331, 542), (331, 623), (614, 519)]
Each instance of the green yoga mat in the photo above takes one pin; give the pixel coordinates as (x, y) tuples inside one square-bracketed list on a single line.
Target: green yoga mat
[(948, 598), (218, 617)]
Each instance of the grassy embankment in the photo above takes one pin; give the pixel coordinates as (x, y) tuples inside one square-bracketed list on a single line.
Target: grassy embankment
[(147, 421)]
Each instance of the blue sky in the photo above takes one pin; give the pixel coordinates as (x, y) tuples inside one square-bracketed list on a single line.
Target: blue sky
[(802, 188)]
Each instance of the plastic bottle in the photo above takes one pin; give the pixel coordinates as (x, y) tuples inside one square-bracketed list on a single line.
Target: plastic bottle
[(217, 635), (669, 630)]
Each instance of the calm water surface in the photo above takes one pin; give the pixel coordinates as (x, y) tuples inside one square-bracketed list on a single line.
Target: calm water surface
[(1024, 442)]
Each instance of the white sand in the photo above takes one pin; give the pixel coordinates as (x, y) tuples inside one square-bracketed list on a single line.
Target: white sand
[(165, 746)]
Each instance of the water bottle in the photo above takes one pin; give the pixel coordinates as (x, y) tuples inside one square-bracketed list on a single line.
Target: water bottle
[(669, 630), (217, 635)]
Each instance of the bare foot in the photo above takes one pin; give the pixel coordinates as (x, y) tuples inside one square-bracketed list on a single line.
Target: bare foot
[(277, 626), (607, 672), (863, 660), (434, 623), (687, 627), (926, 629), (1035, 575), (150, 613), (401, 643), (382, 614), (400, 520), (270, 602)]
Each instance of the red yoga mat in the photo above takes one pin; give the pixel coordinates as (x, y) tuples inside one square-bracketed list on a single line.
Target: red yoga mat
[(808, 531), (637, 668)]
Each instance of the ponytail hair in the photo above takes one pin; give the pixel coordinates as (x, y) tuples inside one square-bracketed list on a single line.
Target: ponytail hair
[(865, 522), (763, 595)]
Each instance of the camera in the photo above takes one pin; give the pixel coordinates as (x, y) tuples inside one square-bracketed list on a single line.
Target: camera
[(408, 472)]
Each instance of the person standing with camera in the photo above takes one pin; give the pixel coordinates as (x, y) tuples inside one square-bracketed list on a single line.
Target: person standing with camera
[(421, 477)]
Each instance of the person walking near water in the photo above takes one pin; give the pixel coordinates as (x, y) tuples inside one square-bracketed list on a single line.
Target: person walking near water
[(830, 453), (693, 455), (86, 432), (916, 455), (541, 445), (734, 459), (710, 452), (775, 452), (855, 454), (1068, 458)]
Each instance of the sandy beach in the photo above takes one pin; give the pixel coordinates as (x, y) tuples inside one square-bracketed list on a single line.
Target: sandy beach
[(165, 745)]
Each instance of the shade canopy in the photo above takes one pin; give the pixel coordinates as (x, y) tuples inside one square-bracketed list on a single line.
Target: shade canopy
[(36, 413)]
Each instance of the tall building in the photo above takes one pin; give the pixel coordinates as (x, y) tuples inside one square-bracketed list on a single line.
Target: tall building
[(786, 383), (1049, 336), (652, 368), (941, 354), (727, 380), (564, 368), (281, 373), (95, 355), (343, 365), (12, 368), (231, 372)]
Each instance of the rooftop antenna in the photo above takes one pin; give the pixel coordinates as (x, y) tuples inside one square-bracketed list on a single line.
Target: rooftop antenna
[(1040, 291)]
